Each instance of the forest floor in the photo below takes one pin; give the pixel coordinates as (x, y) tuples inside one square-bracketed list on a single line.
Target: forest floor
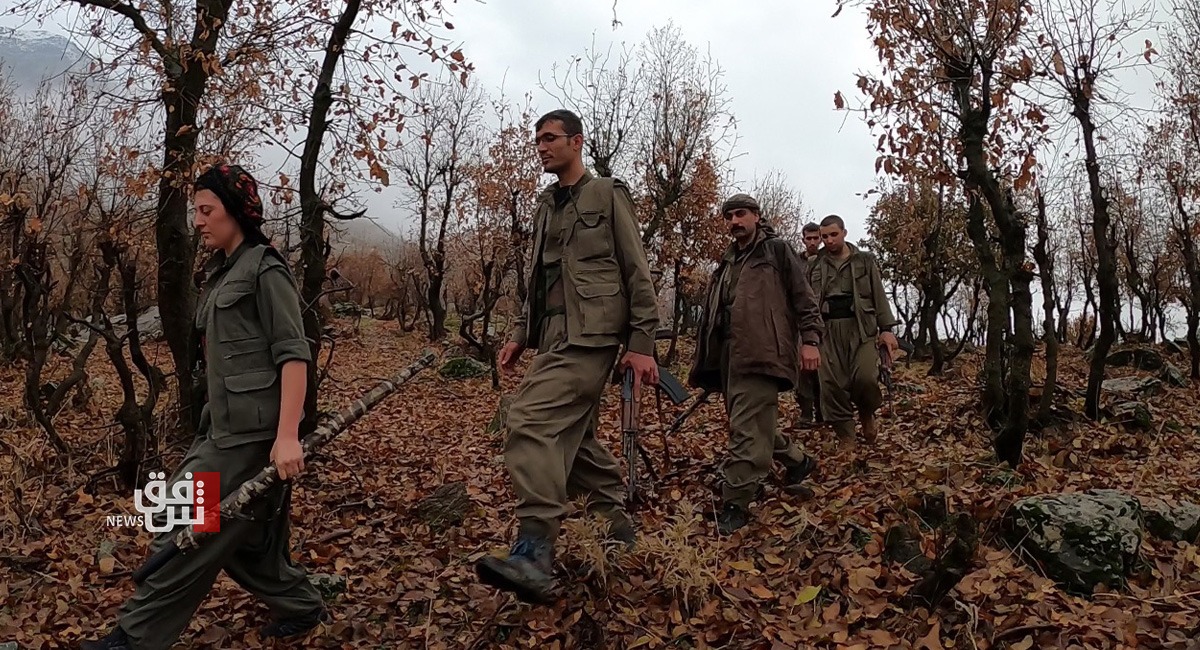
[(804, 573)]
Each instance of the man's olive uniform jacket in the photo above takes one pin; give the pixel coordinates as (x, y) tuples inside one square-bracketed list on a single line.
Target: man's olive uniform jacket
[(607, 289), (871, 307), (773, 310), (249, 315)]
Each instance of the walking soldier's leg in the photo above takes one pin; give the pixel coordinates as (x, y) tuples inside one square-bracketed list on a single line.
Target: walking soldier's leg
[(547, 423), (161, 607), (865, 391), (595, 474), (838, 353), (753, 405), (266, 570)]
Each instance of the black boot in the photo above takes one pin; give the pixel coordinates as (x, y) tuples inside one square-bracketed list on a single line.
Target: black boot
[(732, 517), (528, 571), (794, 474), (622, 531), (296, 625), (116, 640)]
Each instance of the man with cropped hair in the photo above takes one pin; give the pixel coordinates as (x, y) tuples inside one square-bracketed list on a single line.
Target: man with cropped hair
[(858, 320)]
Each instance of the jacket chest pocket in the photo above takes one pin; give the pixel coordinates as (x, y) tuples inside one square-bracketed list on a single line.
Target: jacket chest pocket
[(862, 284), (252, 400), (591, 236), (235, 312)]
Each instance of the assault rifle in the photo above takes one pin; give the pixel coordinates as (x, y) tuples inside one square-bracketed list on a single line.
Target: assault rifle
[(235, 505), (669, 385), (885, 370)]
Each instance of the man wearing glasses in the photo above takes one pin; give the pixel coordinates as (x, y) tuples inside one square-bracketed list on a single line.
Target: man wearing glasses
[(758, 307), (590, 293)]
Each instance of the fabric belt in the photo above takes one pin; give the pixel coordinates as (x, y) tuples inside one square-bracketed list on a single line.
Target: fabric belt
[(838, 308)]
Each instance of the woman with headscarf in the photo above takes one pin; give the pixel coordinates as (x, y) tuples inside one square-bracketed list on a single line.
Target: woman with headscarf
[(249, 322)]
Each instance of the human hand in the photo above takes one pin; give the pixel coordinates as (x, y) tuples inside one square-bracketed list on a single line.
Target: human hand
[(288, 456), (509, 354), (888, 340), (810, 357), (645, 368)]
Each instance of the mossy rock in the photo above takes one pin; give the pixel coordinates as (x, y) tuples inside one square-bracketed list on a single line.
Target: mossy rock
[(1079, 539), (463, 368), (328, 584), (1174, 523)]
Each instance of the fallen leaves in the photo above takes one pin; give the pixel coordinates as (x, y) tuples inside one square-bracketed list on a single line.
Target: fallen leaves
[(805, 573)]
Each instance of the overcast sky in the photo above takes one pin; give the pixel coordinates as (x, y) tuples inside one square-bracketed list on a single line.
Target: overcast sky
[(783, 61)]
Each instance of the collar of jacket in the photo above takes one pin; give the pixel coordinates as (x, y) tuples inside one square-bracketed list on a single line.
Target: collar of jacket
[(548, 193), (854, 252), (220, 260)]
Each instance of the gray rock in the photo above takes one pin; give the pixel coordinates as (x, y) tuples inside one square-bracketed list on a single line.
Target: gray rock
[(10, 645), (909, 388), (1132, 413), (1080, 539), (329, 585), (1138, 357), (500, 419), (1132, 387), (1174, 347), (1173, 376), (1174, 523)]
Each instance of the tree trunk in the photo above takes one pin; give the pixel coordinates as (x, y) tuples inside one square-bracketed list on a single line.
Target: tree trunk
[(182, 92), (997, 313), (313, 245), (1106, 276), (1046, 269)]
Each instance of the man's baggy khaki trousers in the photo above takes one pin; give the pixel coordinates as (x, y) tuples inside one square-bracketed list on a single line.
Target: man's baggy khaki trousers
[(752, 403), (552, 453)]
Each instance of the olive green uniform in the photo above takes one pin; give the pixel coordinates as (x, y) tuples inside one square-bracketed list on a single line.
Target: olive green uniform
[(752, 405), (590, 292), (855, 309), (249, 316), (808, 388)]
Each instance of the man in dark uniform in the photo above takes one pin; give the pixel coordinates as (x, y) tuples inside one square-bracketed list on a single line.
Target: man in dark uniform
[(759, 306)]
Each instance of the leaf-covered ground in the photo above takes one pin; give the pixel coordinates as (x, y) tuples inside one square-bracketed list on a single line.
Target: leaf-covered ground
[(805, 573)]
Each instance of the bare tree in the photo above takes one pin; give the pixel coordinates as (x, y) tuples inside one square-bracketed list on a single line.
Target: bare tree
[(782, 204), (688, 120), (609, 96), (444, 135), (1080, 42)]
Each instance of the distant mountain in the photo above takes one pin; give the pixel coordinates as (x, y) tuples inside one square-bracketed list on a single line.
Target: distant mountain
[(28, 57)]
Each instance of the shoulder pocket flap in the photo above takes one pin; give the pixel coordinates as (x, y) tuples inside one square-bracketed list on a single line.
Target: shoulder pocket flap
[(233, 292), (250, 381), (762, 261), (597, 290), (591, 218), (860, 270)]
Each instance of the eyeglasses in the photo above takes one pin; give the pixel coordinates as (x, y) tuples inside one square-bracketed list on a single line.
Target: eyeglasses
[(550, 138)]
